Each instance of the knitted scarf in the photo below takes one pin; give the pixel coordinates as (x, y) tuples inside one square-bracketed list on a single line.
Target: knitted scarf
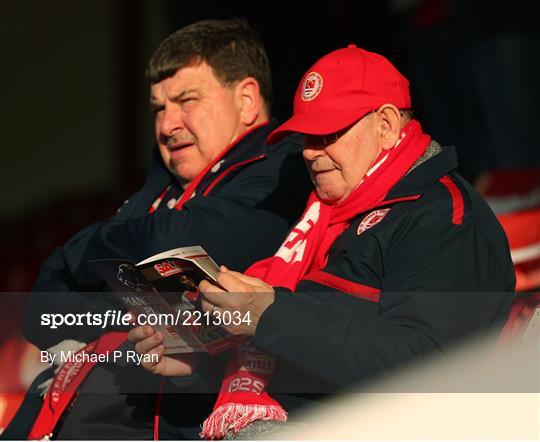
[(242, 398)]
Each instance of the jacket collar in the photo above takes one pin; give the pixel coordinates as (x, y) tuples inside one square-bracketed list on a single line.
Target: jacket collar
[(249, 147), (425, 175)]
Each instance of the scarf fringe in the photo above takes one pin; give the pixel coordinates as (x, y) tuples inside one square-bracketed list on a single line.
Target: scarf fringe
[(233, 417), (68, 345)]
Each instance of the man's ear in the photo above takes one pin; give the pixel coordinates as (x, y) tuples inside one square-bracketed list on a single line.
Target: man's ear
[(390, 125), (250, 100)]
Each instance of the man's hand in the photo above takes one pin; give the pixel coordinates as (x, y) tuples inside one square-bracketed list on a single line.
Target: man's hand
[(248, 296), (148, 341)]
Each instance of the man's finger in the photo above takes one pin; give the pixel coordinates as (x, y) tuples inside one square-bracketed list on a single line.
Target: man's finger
[(208, 306), (151, 362), (219, 299), (139, 333), (205, 286), (149, 343), (230, 282), (248, 279)]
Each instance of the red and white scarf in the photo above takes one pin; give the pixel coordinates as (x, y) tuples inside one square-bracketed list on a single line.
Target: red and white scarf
[(242, 398)]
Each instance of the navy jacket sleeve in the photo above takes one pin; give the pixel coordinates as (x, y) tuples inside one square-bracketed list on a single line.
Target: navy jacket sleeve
[(56, 273), (57, 291)]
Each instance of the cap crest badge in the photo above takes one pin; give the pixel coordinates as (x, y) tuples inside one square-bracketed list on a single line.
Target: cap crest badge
[(312, 86)]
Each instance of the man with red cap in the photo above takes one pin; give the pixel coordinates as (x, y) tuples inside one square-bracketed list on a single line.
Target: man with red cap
[(395, 257)]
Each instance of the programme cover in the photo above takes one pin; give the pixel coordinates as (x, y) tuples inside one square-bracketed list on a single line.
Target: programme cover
[(166, 284)]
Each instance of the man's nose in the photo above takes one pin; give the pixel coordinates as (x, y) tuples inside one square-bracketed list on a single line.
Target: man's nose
[(171, 121), (311, 153)]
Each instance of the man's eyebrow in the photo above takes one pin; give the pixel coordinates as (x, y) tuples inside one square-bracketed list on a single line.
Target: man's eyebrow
[(154, 102), (181, 95)]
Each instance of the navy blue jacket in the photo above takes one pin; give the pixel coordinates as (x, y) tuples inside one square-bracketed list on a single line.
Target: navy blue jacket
[(240, 214), (434, 269)]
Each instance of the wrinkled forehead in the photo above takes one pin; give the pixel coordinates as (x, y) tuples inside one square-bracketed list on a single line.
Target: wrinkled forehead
[(197, 78)]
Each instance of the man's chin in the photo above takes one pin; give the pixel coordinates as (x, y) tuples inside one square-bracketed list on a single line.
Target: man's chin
[(329, 195), (184, 175), (325, 197)]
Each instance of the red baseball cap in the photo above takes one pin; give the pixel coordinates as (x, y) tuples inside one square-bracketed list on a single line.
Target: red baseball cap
[(341, 88)]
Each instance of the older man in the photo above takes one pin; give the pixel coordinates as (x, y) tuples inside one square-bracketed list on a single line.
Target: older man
[(395, 256), (214, 182)]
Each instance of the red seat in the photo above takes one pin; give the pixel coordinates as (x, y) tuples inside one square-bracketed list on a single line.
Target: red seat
[(523, 231), (514, 195)]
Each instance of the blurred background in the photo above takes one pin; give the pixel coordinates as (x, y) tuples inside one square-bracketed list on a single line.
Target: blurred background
[(77, 131)]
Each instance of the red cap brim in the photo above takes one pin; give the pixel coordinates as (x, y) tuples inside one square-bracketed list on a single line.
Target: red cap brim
[(316, 123)]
